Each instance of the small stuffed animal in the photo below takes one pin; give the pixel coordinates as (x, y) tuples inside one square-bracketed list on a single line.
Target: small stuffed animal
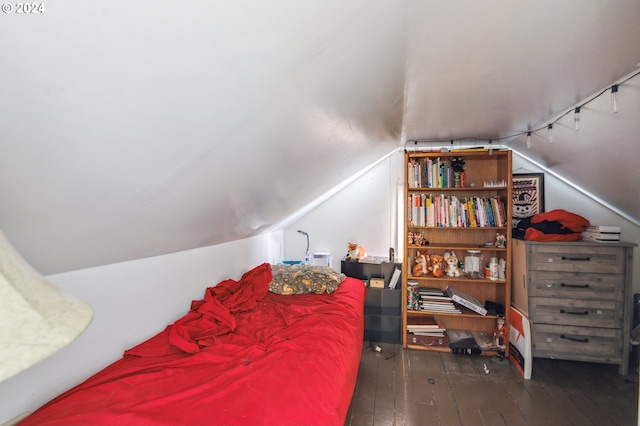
[(420, 267), (436, 265), (453, 269), (457, 164), (355, 252)]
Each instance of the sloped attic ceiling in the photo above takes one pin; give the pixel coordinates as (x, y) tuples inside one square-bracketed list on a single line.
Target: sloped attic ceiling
[(134, 129)]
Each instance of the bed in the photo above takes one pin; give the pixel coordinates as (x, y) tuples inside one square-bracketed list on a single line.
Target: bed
[(262, 350)]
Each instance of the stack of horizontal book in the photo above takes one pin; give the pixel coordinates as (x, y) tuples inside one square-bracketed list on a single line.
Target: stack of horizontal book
[(424, 326), (437, 301), (602, 233)]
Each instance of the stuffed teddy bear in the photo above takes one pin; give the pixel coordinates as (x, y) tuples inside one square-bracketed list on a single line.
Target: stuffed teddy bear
[(453, 269), (355, 252), (420, 268)]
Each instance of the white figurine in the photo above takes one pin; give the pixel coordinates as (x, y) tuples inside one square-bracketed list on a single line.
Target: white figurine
[(453, 269)]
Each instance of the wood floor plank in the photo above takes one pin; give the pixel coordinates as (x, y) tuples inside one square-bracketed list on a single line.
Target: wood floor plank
[(535, 404), (579, 391), (363, 399), (403, 387), (594, 394), (405, 410), (617, 395), (547, 374), (426, 407), (438, 379), (385, 402), (485, 395)]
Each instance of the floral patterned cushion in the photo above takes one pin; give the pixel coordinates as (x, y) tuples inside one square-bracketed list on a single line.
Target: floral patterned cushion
[(304, 279)]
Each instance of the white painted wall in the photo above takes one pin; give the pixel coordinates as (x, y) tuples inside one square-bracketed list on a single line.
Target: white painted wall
[(367, 212), (135, 300), (364, 212), (132, 302), (560, 195)]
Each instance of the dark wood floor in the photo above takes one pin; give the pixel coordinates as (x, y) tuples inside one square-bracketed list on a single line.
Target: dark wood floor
[(409, 387)]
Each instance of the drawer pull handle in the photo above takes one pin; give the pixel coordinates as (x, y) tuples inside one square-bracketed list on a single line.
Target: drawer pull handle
[(578, 259), (562, 311), (575, 339), (574, 285)]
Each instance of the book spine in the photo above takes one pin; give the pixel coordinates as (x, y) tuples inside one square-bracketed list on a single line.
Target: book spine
[(490, 216), (501, 209), (468, 304), (411, 177), (472, 213), (496, 211), (604, 228), (394, 278)]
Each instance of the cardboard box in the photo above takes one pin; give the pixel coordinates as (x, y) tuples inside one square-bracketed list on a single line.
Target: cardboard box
[(519, 276), (376, 283)]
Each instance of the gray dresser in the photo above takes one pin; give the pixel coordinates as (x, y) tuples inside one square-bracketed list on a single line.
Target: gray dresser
[(578, 298)]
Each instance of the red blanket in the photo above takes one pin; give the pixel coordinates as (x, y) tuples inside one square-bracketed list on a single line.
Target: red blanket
[(241, 355)]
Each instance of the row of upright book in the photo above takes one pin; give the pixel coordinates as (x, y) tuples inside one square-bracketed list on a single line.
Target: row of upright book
[(435, 173), (602, 233), (453, 211)]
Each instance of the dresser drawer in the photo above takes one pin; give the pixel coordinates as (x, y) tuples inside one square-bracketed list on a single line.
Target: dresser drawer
[(577, 258), (577, 343), (576, 285), (587, 313)]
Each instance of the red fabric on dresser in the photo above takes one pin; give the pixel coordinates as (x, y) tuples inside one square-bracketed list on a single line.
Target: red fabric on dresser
[(240, 356)]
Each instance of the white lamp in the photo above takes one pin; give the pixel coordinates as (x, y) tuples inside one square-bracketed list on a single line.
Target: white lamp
[(307, 253), (37, 318)]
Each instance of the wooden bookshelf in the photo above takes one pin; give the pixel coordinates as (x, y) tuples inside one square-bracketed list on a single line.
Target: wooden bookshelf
[(487, 176)]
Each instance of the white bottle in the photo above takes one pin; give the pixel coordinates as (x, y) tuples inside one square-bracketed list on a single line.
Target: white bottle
[(307, 258), (493, 269)]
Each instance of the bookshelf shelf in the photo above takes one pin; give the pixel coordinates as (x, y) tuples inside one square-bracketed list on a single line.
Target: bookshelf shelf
[(466, 313), (465, 189), (468, 214), (427, 347), (462, 228), (455, 246), (450, 280)]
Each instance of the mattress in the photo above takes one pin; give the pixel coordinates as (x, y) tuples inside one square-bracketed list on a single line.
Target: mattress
[(240, 356)]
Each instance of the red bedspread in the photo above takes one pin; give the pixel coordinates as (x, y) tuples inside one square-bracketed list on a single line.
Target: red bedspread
[(241, 355)]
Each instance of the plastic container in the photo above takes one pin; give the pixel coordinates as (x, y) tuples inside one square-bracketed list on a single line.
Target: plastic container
[(493, 269)]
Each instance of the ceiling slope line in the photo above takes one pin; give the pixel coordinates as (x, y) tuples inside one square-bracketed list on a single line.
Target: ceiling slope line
[(328, 194), (583, 191)]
